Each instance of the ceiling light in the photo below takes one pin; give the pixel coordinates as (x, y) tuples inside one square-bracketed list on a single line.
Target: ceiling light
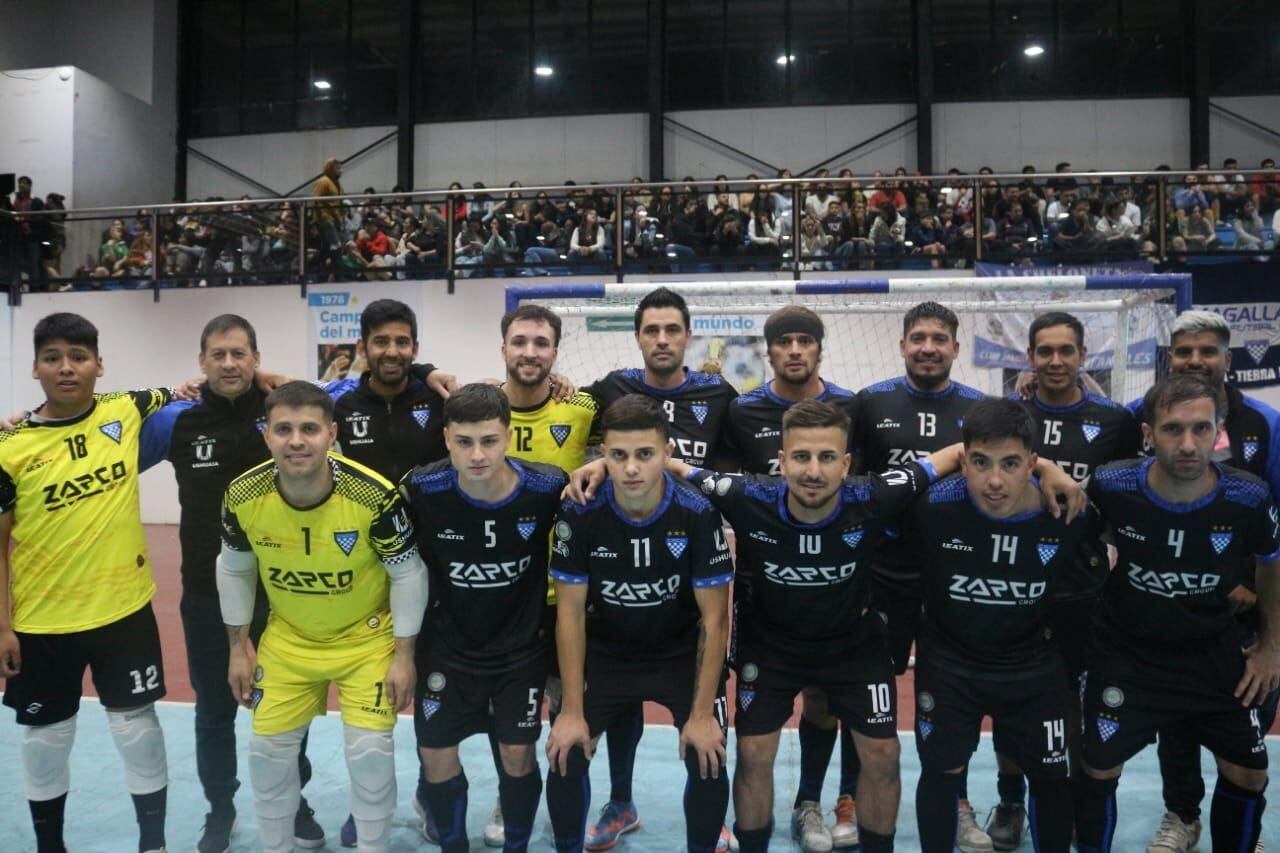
[(544, 71), (1033, 50), (323, 85), (783, 59)]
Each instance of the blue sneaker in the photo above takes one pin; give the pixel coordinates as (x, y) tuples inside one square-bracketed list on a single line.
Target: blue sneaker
[(429, 831), (616, 819)]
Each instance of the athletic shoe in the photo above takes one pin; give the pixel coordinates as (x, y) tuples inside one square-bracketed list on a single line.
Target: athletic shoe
[(429, 831), (616, 819), (1005, 824), (1174, 836), (969, 838), (306, 832), (844, 832), (347, 835), (495, 831), (726, 843), (216, 835), (808, 829)]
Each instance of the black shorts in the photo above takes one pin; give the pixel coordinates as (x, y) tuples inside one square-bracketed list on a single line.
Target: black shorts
[(860, 691), (1028, 719), (1121, 715), (614, 686), (123, 658), (1071, 621), (901, 607), (450, 704)]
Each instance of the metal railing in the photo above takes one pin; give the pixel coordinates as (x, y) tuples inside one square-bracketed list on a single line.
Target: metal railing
[(694, 227)]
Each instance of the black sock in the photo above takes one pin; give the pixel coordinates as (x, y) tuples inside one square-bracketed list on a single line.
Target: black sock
[(1011, 787), (1095, 813), (753, 840), (1051, 815), (519, 796), (568, 798), (937, 803), (150, 810), (816, 746), (850, 764), (448, 802), (622, 739), (963, 792), (874, 842), (705, 803), (1235, 818), (46, 817)]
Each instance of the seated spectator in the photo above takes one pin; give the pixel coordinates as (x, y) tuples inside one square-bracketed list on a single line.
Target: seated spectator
[(1266, 189), (423, 245), (1190, 195), (373, 243), (1133, 213), (632, 197), (456, 202), (1197, 231), (1249, 229), (967, 242), (639, 234), (763, 235), (1079, 233), (1059, 210), (747, 198), (727, 237), (500, 248), (1016, 233), (834, 224), (1231, 187), (1117, 232), (544, 210), (587, 242), (688, 231), (921, 206), (889, 231), (814, 242), (114, 248), (468, 248), (817, 202), (857, 231), (664, 208), (1058, 185), (929, 238), (720, 192), (549, 246), (887, 191), (780, 194)]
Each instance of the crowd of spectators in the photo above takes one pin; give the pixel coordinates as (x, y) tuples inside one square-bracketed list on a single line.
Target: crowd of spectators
[(841, 223)]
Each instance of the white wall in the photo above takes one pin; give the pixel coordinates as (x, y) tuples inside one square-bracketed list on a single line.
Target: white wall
[(1229, 137), (124, 147), (36, 120), (1101, 134)]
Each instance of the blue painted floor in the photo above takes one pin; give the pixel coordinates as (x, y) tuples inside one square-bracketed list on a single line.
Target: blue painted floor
[(100, 815)]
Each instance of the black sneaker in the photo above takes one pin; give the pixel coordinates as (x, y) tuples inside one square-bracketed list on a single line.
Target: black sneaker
[(216, 835), (1005, 825), (306, 832)]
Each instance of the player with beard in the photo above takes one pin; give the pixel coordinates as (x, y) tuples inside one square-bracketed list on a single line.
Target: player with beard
[(1250, 441), (901, 420), (794, 336), (1079, 431), (1166, 647)]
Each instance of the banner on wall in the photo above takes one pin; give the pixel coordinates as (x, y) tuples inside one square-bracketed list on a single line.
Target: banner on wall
[(334, 324), (1255, 341), (1000, 337)]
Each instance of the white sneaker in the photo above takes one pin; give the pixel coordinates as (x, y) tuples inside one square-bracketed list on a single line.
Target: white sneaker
[(844, 832), (969, 837), (808, 828), (1174, 836), (495, 832)]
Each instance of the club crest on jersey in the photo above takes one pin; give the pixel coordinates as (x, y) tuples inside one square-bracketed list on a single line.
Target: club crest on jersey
[(852, 537), (1047, 551), (1257, 349), (429, 707), (1220, 539), (926, 728), (525, 528), (112, 431), (422, 416), (1106, 728), (699, 412), (560, 432), (676, 543), (255, 698), (1249, 449), (346, 540), (1091, 431), (261, 425), (746, 696)]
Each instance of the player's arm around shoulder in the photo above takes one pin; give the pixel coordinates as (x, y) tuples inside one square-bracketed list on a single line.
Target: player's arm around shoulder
[(392, 535), (236, 576)]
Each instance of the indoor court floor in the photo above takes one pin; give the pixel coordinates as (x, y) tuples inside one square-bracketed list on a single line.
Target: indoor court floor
[(100, 815)]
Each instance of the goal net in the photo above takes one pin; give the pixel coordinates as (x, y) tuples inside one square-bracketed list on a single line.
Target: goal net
[(1126, 318)]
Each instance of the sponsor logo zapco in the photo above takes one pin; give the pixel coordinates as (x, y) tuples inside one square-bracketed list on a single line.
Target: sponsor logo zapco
[(762, 537), (1129, 532), (1172, 584), (808, 575), (487, 575), (900, 456), (957, 545), (638, 594), (994, 591)]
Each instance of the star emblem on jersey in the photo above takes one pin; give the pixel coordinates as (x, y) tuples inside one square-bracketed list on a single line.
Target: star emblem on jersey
[(261, 425), (526, 528), (429, 707), (852, 537), (112, 431), (1250, 450), (676, 545), (1046, 550), (346, 540), (435, 682), (699, 412), (1106, 728), (1220, 540), (422, 416), (560, 432), (1091, 431), (1257, 349), (926, 729), (1113, 697)]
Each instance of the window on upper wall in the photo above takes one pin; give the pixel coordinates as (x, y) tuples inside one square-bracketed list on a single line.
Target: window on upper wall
[(321, 73), (819, 60), (1244, 48), (756, 53), (1024, 53), (268, 61), (619, 56), (881, 54), (962, 53), (375, 60), (695, 64), (1153, 56), (561, 57), (213, 88), (503, 59), (446, 31)]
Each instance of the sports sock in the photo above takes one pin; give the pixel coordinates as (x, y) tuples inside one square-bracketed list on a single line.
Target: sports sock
[(1011, 787), (150, 810), (1051, 815), (519, 797), (850, 764), (816, 746), (705, 803), (622, 740), (568, 798), (46, 817), (937, 802), (964, 783), (1235, 818), (448, 802), (874, 842), (753, 840), (1095, 813)]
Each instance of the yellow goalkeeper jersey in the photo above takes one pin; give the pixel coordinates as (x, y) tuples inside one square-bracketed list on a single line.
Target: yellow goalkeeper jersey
[(80, 558), (323, 566)]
